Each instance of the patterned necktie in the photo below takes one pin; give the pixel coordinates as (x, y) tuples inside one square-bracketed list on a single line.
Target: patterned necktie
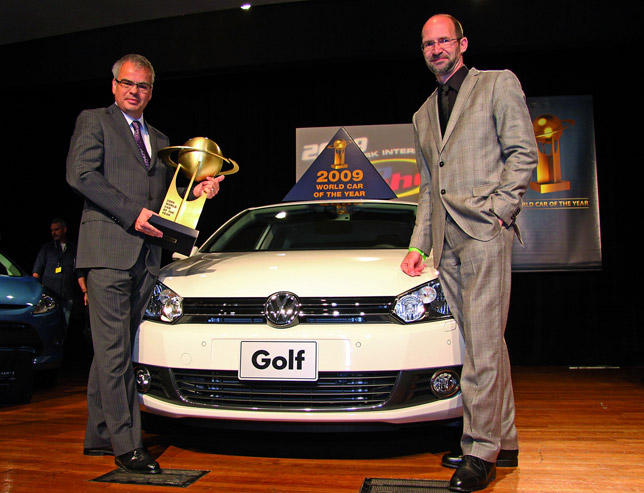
[(138, 138), (443, 106)]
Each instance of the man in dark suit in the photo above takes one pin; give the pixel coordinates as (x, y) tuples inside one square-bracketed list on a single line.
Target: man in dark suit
[(475, 150), (113, 164)]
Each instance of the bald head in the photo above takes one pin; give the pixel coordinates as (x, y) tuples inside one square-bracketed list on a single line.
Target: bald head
[(458, 28)]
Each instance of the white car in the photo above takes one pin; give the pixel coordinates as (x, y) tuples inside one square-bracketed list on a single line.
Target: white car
[(299, 312)]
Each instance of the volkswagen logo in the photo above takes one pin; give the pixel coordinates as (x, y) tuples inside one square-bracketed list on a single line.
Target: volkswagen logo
[(282, 309)]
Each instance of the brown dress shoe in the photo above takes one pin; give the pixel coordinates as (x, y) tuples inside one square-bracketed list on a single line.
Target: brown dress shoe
[(506, 458), (473, 474)]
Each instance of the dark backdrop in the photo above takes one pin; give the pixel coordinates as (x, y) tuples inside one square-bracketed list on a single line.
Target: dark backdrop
[(249, 79)]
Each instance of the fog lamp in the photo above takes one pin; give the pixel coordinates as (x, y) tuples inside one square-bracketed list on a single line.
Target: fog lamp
[(143, 379), (445, 383)]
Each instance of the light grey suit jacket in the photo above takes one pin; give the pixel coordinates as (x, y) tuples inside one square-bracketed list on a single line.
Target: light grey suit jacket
[(479, 170), (105, 166)]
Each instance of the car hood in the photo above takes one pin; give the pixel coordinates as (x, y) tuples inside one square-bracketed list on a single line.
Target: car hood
[(305, 273), (19, 290)]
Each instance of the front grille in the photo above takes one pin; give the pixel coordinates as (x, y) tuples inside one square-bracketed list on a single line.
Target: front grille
[(16, 335), (314, 310), (333, 391), (9, 306)]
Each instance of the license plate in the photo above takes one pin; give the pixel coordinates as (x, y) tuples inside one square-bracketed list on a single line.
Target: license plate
[(278, 360)]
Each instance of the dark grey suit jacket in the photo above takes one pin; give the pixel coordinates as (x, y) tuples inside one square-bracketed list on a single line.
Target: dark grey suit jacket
[(105, 166)]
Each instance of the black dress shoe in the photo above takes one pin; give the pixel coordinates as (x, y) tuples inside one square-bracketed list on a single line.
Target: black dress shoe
[(506, 458), (473, 474), (98, 451), (138, 461)]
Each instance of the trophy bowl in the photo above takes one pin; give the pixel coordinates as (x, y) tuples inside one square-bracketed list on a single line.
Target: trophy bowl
[(199, 157)]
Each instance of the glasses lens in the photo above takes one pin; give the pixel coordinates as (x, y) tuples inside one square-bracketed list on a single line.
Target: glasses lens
[(141, 86)]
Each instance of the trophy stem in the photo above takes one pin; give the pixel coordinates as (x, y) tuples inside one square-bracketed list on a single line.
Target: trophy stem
[(189, 211), (192, 180)]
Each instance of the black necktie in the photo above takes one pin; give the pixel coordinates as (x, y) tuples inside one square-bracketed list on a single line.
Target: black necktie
[(443, 106), (138, 138)]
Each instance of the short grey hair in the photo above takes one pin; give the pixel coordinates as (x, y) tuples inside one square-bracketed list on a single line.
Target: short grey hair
[(137, 60)]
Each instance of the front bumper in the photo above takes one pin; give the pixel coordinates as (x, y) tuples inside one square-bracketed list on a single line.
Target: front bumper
[(45, 334), (367, 372)]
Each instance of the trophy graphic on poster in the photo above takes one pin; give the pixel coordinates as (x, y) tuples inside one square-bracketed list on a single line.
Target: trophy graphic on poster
[(548, 130), (198, 158)]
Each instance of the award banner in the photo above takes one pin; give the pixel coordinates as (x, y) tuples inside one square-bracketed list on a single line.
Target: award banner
[(340, 171), (560, 217), (389, 149)]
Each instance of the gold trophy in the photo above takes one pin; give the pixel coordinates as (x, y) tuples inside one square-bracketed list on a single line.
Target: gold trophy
[(198, 158), (340, 147)]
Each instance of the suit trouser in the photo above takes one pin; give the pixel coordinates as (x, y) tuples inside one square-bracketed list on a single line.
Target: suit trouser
[(476, 277), (117, 302)]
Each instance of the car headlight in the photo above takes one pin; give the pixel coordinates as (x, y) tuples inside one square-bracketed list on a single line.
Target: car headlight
[(426, 301), (45, 305), (165, 305)]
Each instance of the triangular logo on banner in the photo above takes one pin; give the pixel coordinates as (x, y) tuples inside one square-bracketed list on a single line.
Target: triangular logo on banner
[(341, 171)]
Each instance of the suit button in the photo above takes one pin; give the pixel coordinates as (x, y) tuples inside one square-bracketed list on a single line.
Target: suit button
[(441, 164), (150, 173), (443, 192)]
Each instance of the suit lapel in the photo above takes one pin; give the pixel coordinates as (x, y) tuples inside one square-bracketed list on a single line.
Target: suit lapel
[(434, 119), (460, 104), (154, 146), (427, 127)]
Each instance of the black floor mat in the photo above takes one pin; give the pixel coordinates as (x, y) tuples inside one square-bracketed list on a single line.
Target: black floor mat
[(179, 478), (379, 485)]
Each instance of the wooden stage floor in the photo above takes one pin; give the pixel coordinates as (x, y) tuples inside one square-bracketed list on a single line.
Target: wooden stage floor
[(580, 430)]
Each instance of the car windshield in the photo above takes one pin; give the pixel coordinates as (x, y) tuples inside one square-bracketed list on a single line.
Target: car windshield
[(8, 268), (309, 226)]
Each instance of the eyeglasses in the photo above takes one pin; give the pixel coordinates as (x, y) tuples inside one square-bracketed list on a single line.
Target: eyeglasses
[(442, 43), (128, 84)]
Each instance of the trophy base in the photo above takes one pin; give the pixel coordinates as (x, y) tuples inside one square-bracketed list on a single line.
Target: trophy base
[(176, 237), (550, 187)]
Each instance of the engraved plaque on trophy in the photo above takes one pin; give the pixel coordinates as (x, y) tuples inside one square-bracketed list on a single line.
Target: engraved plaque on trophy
[(197, 159)]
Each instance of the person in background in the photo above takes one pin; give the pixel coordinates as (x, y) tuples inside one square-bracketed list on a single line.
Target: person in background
[(55, 266)]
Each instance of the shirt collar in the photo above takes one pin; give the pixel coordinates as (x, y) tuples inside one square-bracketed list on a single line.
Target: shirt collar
[(457, 78), (129, 119)]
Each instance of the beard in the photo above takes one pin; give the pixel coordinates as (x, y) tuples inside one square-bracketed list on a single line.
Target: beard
[(445, 68)]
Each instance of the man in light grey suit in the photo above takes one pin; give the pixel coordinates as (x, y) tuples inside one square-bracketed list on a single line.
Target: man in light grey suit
[(113, 164), (475, 150)]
